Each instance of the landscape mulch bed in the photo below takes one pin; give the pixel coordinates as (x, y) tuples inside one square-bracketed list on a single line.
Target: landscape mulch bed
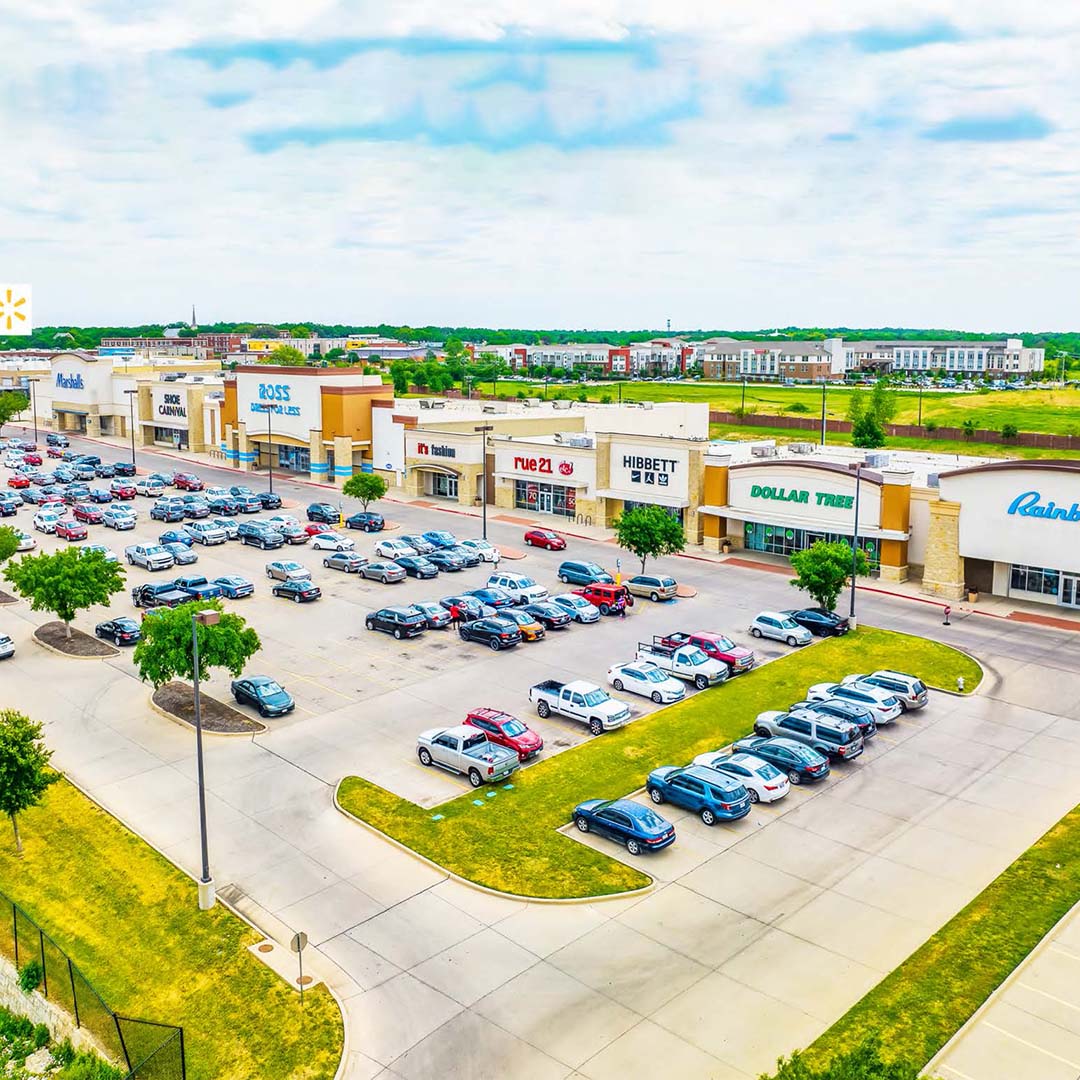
[(178, 700), (79, 644), (7, 598)]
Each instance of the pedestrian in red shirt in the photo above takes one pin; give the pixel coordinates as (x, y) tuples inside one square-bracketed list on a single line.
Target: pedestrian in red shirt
[(455, 616)]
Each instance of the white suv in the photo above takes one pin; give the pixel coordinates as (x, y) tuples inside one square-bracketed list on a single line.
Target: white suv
[(45, 520), (521, 587), (152, 488)]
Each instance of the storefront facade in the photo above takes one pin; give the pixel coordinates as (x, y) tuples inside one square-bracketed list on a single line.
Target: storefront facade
[(1009, 528), (445, 464), (781, 507), (84, 397)]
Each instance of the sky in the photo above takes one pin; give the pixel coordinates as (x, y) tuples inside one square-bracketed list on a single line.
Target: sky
[(572, 164)]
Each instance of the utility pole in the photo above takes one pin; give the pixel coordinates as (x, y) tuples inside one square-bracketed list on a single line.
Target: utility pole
[(824, 422), (482, 430)]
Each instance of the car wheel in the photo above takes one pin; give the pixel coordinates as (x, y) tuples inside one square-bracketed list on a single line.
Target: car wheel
[(654, 597), (582, 824), (475, 778), (755, 632), (618, 684), (263, 713), (463, 634), (656, 795), (269, 575), (754, 796), (564, 579), (701, 682), (397, 633), (657, 697), (326, 563), (633, 847), (795, 777), (543, 710), (116, 640), (595, 727), (494, 645), (792, 641), (528, 541), (708, 817), (604, 609), (761, 732), (384, 579), (424, 754)]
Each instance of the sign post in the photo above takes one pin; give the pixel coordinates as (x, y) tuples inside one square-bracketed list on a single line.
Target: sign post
[(618, 571), (299, 940)]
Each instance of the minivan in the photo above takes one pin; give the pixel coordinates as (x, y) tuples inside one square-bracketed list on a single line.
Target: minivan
[(653, 586), (832, 737), (520, 586), (583, 573)]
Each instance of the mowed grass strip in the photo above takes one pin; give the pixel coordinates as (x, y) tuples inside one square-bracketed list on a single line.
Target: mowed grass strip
[(130, 920), (921, 1004), (510, 843)]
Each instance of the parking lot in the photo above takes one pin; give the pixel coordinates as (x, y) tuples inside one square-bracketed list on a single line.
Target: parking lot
[(758, 934)]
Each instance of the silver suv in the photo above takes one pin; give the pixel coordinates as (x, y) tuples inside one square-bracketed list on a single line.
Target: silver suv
[(834, 738), (908, 690)]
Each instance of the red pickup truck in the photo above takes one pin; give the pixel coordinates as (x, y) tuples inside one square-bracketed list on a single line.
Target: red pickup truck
[(715, 646)]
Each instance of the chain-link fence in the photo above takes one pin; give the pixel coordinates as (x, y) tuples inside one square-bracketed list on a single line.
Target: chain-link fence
[(149, 1050)]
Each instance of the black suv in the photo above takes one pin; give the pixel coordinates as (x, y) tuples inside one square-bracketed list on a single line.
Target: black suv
[(495, 633), (271, 500), (402, 622), (324, 512), (260, 534), (366, 520), (124, 468)]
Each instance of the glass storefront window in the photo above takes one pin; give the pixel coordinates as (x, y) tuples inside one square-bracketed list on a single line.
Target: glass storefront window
[(674, 511), (1035, 579), (444, 486), (296, 458), (785, 540), (545, 498)]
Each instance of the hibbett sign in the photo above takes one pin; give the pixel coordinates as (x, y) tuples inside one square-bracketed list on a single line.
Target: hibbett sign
[(649, 470)]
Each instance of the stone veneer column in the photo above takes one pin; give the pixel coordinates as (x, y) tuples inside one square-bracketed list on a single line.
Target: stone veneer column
[(318, 468), (343, 459), (943, 573)]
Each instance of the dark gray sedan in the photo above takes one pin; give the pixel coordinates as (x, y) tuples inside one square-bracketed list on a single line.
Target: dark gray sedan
[(383, 570), (348, 561)]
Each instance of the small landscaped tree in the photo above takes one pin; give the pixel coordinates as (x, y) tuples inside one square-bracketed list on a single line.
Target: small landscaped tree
[(824, 568), (9, 542), (649, 531), (367, 487), (164, 652), (287, 356), (24, 767), (11, 404), (867, 432), (65, 582)]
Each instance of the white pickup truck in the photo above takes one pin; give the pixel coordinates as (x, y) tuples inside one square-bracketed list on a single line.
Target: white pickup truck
[(150, 556), (580, 701), (684, 662), (467, 751)]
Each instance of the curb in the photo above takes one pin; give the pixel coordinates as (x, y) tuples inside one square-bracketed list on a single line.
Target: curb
[(69, 656), (263, 729), (484, 888)]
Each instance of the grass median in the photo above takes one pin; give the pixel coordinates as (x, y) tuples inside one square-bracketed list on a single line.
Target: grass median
[(131, 922), (506, 839)]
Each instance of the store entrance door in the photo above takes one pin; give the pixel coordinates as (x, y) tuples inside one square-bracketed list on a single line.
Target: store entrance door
[(544, 500), (1070, 591)]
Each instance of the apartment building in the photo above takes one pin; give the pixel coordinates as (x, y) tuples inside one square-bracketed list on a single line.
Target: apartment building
[(1004, 358), (803, 361), (666, 356)]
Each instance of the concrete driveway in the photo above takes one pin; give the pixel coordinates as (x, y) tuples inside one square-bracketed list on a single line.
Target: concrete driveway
[(758, 935)]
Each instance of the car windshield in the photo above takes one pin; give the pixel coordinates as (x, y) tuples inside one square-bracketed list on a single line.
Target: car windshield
[(526, 583), (574, 601), (269, 689), (514, 728), (595, 697), (723, 643), (695, 657), (788, 624), (291, 566), (654, 674)]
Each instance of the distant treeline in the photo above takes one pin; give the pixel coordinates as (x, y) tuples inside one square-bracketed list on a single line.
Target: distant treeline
[(89, 337)]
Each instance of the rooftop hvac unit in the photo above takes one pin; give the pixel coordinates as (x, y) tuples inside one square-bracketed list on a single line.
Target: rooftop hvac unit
[(531, 402), (877, 461), (802, 448), (933, 480), (560, 403), (557, 437), (646, 404), (763, 451), (583, 442)]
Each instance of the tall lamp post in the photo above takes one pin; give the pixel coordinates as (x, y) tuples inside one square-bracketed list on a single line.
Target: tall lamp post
[(131, 420), (482, 430), (920, 404), (269, 410), (206, 617), (855, 546), (33, 404), (824, 422)]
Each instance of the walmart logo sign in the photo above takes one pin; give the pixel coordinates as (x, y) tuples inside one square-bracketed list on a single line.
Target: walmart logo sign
[(69, 382)]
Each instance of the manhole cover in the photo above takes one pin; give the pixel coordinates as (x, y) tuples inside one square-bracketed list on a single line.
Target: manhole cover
[(266, 947)]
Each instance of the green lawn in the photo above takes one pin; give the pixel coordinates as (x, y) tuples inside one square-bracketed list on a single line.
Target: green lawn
[(918, 1007), (130, 920), (509, 842)]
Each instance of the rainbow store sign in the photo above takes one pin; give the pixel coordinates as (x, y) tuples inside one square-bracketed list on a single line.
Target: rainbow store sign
[(802, 496), (1030, 504)]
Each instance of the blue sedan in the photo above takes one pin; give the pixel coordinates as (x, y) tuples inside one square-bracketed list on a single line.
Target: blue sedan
[(711, 794), (176, 536), (233, 586), (639, 828), (441, 539), (265, 694)]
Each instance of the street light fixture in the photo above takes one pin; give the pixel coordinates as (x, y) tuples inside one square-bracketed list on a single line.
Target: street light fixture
[(206, 617), (131, 420), (855, 545), (482, 430)]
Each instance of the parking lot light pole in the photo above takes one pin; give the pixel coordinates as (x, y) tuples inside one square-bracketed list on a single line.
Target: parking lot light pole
[(33, 404), (206, 617), (482, 430), (269, 410), (855, 546), (131, 420), (824, 422)]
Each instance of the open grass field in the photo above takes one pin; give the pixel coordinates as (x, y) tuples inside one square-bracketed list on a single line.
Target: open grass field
[(131, 922), (510, 843)]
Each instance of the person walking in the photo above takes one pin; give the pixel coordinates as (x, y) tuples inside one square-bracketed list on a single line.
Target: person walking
[(455, 616), (498, 558)]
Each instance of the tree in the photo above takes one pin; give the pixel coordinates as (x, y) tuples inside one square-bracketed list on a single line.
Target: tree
[(301, 332), (365, 486), (882, 404), (9, 542), (824, 568), (335, 354), (24, 767), (867, 432), (649, 531), (164, 652), (1008, 431), (286, 356), (401, 373), (454, 350), (66, 582), (11, 404), (969, 428)]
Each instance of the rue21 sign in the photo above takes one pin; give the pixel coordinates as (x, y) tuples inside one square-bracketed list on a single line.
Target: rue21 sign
[(543, 465)]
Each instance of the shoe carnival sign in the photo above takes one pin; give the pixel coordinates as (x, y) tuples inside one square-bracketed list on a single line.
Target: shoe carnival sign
[(1030, 504)]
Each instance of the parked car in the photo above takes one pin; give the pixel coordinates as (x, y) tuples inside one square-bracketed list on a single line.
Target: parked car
[(545, 538), (45, 520), (495, 633), (583, 573), (834, 709), (418, 543), (763, 782), (530, 629), (778, 627), (119, 518), (401, 622), (655, 586), (581, 701), (259, 534), (365, 520), (267, 695), (250, 504), (287, 570), (197, 587), (715, 646), (181, 553), (148, 556), (578, 608), (819, 621), (445, 560), (435, 615), (881, 703), (440, 538), (55, 438), (124, 468), (469, 606), (186, 481), (100, 495), (207, 533), (120, 631), (70, 529), (647, 680), (800, 763), (157, 594), (347, 561), (521, 588), (506, 730), (393, 549), (87, 513), (223, 504), (233, 586), (290, 531), (32, 458), (165, 478), (483, 550), (608, 599), (467, 555), (325, 512), (106, 470), (99, 549), (548, 614), (227, 525), (417, 566), (168, 510), (152, 489), (9, 504), (638, 828), (26, 541), (910, 691), (18, 481), (176, 536), (7, 647), (714, 796), (301, 590), (122, 489), (835, 738), (332, 541), (467, 751), (389, 573)]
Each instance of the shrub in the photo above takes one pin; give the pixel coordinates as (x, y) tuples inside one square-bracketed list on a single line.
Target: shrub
[(30, 975), (583, 395), (930, 425), (798, 406), (969, 429), (605, 399), (41, 1036), (864, 1062), (1009, 431)]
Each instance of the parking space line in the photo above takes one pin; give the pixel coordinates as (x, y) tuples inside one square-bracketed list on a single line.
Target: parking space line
[(953, 1069), (315, 682), (1053, 997), (1033, 1046)]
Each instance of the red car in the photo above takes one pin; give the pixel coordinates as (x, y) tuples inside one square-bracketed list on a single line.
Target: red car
[(17, 480), (187, 482), (88, 513), (55, 451), (507, 730), (31, 459), (313, 528), (715, 646), (122, 491), (545, 538), (610, 599), (66, 529), (45, 500)]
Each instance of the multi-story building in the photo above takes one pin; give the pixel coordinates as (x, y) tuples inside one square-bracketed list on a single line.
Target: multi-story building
[(802, 361), (658, 357), (1005, 358)]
